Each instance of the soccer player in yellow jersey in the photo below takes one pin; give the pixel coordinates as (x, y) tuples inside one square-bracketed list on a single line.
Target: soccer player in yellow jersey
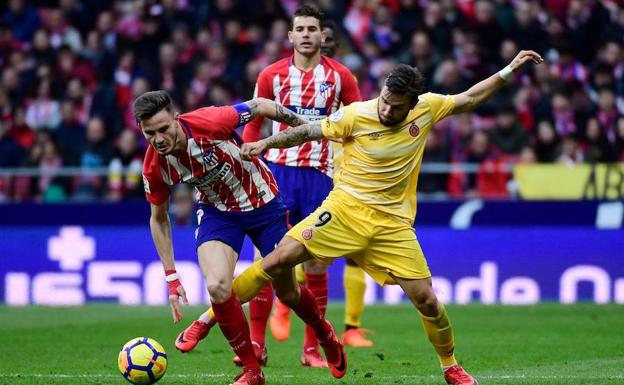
[(369, 215)]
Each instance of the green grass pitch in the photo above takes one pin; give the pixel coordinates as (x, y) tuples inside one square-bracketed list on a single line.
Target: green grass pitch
[(545, 344)]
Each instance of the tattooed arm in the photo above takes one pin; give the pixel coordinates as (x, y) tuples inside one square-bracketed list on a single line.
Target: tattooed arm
[(269, 109), (288, 138)]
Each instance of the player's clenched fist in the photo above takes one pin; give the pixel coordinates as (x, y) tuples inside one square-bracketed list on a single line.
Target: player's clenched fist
[(249, 150)]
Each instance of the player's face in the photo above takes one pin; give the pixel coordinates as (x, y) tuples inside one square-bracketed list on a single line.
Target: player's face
[(306, 35), (161, 132), (329, 45), (393, 108)]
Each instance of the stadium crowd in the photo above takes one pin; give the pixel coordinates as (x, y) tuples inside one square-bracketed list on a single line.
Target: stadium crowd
[(71, 69)]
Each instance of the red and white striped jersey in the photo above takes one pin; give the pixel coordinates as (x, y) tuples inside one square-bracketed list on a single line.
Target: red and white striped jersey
[(312, 95), (211, 163)]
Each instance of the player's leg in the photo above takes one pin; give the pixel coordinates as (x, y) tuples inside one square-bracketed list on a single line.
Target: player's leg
[(314, 188), (265, 227), (394, 255), (212, 225), (354, 281), (436, 323), (339, 227), (217, 261), (302, 301), (288, 180), (316, 282), (259, 311)]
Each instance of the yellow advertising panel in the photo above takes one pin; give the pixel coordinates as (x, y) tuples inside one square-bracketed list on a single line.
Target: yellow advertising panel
[(570, 182)]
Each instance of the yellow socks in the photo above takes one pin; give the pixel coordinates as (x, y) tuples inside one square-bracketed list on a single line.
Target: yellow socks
[(300, 274), (440, 334), (246, 285), (355, 287)]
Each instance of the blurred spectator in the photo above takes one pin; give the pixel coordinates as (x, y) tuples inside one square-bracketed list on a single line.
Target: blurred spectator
[(11, 154), (607, 113), (570, 151), (547, 142), (508, 136), (435, 152), (183, 206), (124, 178), (383, 31), (527, 155), (62, 33), (22, 18), (97, 151), (44, 111), (96, 154), (597, 148), (70, 134)]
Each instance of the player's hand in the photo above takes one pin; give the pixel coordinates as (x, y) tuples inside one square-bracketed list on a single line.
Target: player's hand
[(174, 302), (249, 150), (176, 292), (524, 57)]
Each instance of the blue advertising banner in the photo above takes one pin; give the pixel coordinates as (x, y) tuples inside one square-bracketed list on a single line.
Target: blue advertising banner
[(70, 265)]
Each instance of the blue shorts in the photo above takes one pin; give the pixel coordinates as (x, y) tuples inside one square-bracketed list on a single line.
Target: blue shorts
[(303, 189), (265, 226)]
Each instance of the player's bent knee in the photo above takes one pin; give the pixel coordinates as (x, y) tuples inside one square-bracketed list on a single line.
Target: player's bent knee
[(219, 291), (428, 305)]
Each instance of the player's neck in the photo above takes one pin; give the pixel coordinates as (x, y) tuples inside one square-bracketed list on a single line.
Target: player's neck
[(306, 63), (181, 141)]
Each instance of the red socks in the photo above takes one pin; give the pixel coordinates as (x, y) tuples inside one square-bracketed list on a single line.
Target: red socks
[(308, 310), (233, 324), (317, 283), (259, 312)]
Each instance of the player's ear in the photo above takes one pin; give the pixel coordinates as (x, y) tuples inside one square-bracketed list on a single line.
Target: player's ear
[(323, 36), (290, 39)]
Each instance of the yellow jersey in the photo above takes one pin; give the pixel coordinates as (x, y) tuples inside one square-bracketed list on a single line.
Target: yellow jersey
[(380, 163)]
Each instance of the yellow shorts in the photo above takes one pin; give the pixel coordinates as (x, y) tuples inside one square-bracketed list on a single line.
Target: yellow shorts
[(384, 245)]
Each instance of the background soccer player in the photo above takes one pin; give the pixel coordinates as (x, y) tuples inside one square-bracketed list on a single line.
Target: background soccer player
[(313, 86), (370, 212), (238, 198)]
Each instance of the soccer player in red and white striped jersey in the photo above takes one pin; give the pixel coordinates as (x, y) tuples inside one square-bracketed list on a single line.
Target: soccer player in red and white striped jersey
[(313, 86), (237, 198)]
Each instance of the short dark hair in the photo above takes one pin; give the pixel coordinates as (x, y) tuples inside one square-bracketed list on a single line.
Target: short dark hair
[(307, 10), (406, 80), (151, 103)]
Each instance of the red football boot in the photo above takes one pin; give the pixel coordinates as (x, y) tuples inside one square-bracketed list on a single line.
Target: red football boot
[(249, 377), (312, 357), (456, 375), (356, 338), (280, 321), (190, 337), (334, 353), (261, 355)]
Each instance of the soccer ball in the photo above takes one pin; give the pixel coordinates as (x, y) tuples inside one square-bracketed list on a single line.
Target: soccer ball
[(142, 361)]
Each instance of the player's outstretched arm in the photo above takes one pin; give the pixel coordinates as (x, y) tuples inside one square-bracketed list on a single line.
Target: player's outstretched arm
[(482, 91), (269, 109), (285, 139), (161, 234)]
